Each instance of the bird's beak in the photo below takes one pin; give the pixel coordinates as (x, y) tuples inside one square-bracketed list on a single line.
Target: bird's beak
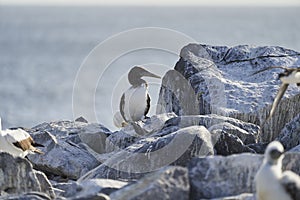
[(149, 74)]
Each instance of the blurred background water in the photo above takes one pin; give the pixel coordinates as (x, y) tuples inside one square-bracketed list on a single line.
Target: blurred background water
[(42, 49)]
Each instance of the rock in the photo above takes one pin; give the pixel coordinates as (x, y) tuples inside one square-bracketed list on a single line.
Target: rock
[(89, 189), (289, 136), (229, 134), (245, 196), (207, 82), (167, 183), (295, 149), (46, 186), (226, 144), (152, 153), (26, 196), (247, 132), (17, 176), (136, 131), (259, 147), (94, 135), (63, 158), (217, 176), (81, 119)]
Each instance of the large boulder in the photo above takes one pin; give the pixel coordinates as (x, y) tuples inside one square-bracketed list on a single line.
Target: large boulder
[(152, 153), (219, 80), (217, 176), (229, 135), (167, 183), (17, 176), (66, 155)]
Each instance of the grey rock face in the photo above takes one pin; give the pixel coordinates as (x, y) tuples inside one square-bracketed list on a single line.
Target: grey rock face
[(65, 153), (61, 158), (17, 176), (216, 177), (167, 183), (229, 135), (227, 144), (207, 82), (290, 134), (153, 153), (245, 196), (77, 132), (247, 132), (26, 196), (45, 184), (136, 131), (89, 189)]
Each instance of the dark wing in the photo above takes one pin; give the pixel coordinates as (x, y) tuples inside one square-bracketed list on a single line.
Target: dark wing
[(277, 99), (148, 105), (122, 104), (268, 68), (291, 183)]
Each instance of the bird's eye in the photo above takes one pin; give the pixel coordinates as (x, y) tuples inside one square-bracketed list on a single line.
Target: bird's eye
[(275, 154)]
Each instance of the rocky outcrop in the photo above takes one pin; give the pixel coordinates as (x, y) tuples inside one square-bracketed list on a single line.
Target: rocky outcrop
[(152, 153), (219, 80), (70, 148), (216, 177), (167, 183), (17, 176)]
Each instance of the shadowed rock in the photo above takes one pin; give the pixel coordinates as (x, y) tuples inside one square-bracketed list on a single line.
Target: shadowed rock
[(167, 183), (17, 176), (214, 177)]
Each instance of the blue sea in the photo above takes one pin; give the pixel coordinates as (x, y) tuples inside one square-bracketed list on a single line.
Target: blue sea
[(43, 51)]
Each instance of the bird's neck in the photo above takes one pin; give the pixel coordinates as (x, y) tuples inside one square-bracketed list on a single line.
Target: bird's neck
[(276, 164), (137, 82)]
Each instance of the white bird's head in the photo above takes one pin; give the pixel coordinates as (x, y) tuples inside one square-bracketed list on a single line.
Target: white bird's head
[(274, 153)]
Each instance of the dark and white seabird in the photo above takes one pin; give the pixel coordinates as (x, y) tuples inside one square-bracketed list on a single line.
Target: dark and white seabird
[(271, 182), (17, 142), (289, 76), (135, 102)]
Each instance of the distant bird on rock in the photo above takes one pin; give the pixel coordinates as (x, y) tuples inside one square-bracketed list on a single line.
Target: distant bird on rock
[(271, 182), (135, 102), (18, 142), (289, 76)]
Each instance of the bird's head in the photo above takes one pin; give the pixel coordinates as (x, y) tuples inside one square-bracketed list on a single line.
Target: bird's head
[(274, 152), (136, 73)]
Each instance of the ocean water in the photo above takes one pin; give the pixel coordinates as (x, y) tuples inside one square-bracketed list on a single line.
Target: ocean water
[(43, 49)]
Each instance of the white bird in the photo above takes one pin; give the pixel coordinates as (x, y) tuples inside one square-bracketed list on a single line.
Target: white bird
[(289, 76), (135, 102), (17, 142), (271, 182)]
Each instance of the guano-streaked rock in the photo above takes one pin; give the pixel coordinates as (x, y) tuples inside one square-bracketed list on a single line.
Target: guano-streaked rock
[(207, 82)]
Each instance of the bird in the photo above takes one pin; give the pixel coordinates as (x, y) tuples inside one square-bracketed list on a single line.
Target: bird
[(135, 101), (18, 142), (289, 76), (273, 184)]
